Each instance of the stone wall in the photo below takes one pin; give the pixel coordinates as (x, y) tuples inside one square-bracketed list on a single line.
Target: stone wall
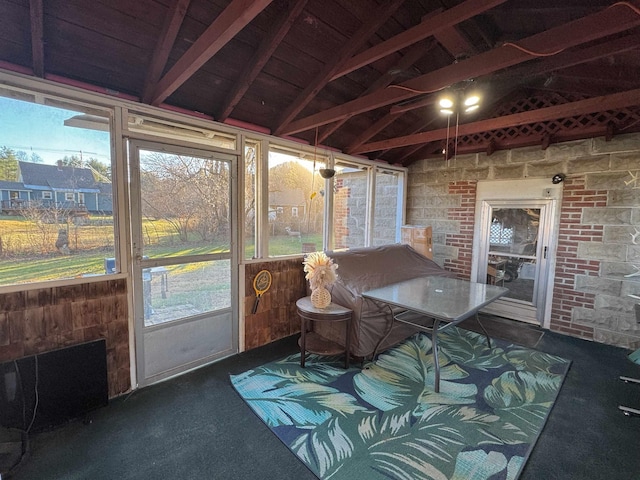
[(598, 251)]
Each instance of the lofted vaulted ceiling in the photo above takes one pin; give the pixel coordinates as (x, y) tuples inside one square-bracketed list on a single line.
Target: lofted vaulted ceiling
[(360, 76)]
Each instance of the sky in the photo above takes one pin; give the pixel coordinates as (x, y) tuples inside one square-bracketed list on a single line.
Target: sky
[(40, 129)]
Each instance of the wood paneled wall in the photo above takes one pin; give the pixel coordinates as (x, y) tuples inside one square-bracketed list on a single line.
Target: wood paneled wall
[(41, 320), (276, 316)]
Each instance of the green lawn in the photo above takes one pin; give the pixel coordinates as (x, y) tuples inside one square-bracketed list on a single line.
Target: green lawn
[(58, 266)]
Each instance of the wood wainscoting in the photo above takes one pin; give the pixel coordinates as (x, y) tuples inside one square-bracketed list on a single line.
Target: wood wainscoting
[(40, 320)]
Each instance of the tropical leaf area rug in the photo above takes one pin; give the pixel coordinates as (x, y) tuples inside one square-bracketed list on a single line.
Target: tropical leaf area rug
[(386, 421)]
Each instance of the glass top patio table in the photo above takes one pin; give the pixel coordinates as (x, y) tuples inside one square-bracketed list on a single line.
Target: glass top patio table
[(428, 301), (447, 299)]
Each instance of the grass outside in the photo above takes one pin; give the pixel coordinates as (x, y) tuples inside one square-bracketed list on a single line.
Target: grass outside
[(18, 266)]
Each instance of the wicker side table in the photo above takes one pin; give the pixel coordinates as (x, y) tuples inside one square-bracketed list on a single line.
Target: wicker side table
[(311, 342)]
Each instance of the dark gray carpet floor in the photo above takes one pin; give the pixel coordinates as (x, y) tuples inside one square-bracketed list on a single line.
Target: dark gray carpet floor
[(197, 427)]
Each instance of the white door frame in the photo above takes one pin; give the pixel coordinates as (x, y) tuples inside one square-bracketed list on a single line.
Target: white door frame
[(545, 195), (194, 326)]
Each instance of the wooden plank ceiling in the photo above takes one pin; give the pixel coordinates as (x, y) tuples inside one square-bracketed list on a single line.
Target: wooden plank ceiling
[(361, 76)]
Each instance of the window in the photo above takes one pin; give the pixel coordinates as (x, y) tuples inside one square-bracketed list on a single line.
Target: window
[(81, 198), (367, 205), (350, 205), (295, 185), (252, 156), (47, 145), (500, 235), (387, 215)]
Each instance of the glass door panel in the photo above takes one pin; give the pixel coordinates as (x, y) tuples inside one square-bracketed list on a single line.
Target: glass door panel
[(512, 260), (182, 258)]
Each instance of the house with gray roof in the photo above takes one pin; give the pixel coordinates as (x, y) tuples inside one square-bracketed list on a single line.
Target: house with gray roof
[(55, 186)]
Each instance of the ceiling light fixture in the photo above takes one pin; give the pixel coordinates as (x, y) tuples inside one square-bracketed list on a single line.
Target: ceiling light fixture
[(457, 102)]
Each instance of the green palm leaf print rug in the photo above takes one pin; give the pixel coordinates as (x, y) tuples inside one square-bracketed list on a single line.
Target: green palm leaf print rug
[(386, 421)]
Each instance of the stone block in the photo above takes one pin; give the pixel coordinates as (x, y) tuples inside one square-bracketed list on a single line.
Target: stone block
[(593, 318), (527, 154), (447, 176), (628, 323), (600, 251), (434, 189), (443, 201), (509, 172), (606, 181), (631, 286), (589, 164), (621, 235), (501, 157), (566, 150), (445, 226), (619, 143), (617, 269), (626, 161), (417, 178), (606, 216), (418, 166), (476, 173), (612, 304), (592, 284), (445, 251), (614, 338), (633, 254), (441, 213), (464, 161), (440, 238), (544, 169)]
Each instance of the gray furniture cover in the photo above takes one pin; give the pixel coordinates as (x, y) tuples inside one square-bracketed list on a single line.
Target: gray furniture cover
[(362, 269)]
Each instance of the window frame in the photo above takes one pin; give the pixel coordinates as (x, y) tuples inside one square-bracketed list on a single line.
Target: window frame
[(33, 91), (118, 111)]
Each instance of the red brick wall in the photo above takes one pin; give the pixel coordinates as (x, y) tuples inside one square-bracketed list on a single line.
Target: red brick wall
[(464, 216), (565, 297)]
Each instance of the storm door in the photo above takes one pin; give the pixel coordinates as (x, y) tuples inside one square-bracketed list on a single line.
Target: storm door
[(183, 262), (514, 247)]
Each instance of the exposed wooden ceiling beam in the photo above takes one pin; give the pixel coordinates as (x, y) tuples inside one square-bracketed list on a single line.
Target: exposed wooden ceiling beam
[(578, 56), (375, 128), (621, 78), (167, 38), (427, 28), (606, 22), (425, 102), (36, 14), (260, 57), (455, 43), (411, 150), (581, 107), (414, 54), (563, 60), (233, 19), (376, 20)]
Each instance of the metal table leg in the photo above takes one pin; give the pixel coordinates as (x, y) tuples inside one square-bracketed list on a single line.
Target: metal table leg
[(484, 331), (436, 361)]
